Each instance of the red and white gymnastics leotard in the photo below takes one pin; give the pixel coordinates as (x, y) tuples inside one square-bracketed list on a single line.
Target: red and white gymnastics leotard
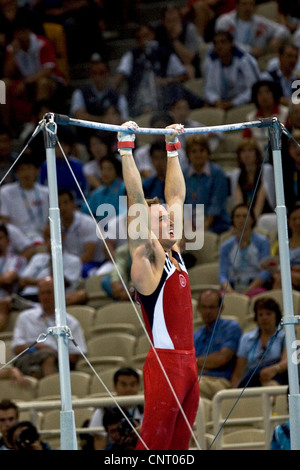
[(168, 317)]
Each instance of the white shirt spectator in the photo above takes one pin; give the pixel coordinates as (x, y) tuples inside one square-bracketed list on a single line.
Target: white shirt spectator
[(78, 102), (257, 32), (18, 241), (233, 82), (11, 262), (39, 267), (27, 209), (33, 322), (82, 231)]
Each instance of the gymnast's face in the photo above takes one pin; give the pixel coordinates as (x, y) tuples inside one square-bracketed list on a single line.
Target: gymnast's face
[(162, 226)]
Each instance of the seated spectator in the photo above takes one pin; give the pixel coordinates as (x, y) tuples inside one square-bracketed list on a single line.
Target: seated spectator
[(254, 33), (206, 183), (10, 12), (98, 146), (25, 203), (247, 187), (11, 269), (154, 186), (24, 436), (79, 235), (7, 156), (120, 433), (109, 193), (266, 97), (215, 344), (261, 357), (153, 75), (241, 255), (294, 249), (31, 72), (92, 100), (228, 73), (204, 14), (283, 70), (41, 360), (9, 413), (180, 37), (126, 382), (40, 266), (19, 243), (66, 178)]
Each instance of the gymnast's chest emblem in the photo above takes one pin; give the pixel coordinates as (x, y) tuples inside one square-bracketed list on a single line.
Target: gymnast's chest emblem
[(182, 280)]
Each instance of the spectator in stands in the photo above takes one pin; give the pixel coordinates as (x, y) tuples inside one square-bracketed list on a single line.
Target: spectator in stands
[(246, 184), (261, 356), (10, 12), (92, 100), (19, 243), (159, 120), (11, 268), (79, 234), (204, 14), (41, 360), (109, 193), (25, 203), (155, 185), (9, 415), (24, 436), (31, 72), (126, 382), (266, 97), (228, 73), (294, 249), (241, 254), (120, 430), (180, 37), (99, 145), (40, 266), (282, 70), (153, 74), (206, 183), (254, 33), (216, 344), (65, 158)]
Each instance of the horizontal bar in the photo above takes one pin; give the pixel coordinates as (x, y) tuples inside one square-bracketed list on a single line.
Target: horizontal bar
[(62, 119)]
